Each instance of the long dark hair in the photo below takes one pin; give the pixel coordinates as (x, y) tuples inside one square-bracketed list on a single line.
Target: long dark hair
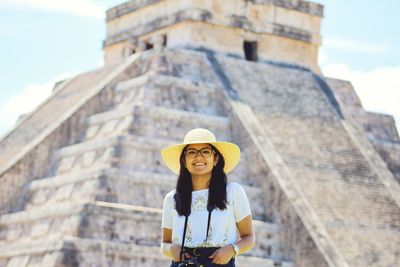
[(217, 186)]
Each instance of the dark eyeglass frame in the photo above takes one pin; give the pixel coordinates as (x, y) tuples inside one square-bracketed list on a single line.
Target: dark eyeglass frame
[(199, 151)]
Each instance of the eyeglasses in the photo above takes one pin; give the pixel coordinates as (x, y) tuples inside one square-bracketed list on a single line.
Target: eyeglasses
[(192, 152)]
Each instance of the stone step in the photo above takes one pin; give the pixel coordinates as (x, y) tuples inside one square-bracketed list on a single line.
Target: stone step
[(319, 140), (357, 199), (114, 185), (324, 147), (357, 174), (86, 155), (121, 152), (42, 252), (154, 122), (51, 220), (107, 221), (315, 148), (81, 185), (109, 123), (339, 167), (71, 251), (174, 124), (156, 90)]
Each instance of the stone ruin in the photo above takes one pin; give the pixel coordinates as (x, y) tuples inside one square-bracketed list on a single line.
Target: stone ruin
[(82, 181)]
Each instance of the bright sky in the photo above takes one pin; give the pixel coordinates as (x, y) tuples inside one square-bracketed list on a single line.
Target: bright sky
[(44, 41)]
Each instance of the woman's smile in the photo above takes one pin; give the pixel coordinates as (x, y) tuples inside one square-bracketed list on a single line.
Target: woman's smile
[(199, 165)]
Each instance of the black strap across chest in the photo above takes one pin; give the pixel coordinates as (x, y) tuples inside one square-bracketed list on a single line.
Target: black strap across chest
[(210, 209)]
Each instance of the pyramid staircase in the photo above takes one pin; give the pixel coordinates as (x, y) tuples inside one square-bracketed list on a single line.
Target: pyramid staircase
[(89, 191), (349, 192), (99, 200), (379, 128)]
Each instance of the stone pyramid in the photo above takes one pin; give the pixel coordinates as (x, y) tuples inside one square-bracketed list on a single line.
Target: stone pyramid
[(82, 181)]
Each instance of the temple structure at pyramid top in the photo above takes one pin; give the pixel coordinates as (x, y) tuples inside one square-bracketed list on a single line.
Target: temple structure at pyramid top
[(283, 30)]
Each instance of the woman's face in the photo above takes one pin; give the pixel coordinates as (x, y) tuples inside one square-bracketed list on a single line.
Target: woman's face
[(200, 159)]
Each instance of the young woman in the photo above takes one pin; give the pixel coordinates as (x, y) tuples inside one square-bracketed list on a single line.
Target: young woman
[(204, 213)]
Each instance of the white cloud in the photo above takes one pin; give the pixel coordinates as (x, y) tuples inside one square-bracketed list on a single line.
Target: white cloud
[(357, 45), (379, 89), (25, 101), (85, 8)]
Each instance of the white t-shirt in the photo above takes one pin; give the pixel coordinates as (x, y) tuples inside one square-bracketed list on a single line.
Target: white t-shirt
[(222, 225)]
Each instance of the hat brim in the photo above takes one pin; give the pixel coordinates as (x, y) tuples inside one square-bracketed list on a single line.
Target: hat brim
[(230, 152)]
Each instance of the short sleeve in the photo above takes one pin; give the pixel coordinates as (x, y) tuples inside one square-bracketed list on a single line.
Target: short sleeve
[(167, 215), (241, 206)]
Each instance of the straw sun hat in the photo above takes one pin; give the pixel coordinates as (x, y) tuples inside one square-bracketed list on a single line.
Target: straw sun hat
[(229, 151)]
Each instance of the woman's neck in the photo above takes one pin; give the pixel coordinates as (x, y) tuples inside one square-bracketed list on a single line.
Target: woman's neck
[(200, 182)]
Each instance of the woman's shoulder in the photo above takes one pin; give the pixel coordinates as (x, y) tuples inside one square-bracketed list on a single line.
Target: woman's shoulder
[(170, 194), (169, 197), (233, 187)]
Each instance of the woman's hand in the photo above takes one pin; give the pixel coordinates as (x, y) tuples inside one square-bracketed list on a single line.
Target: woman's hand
[(222, 255), (175, 251)]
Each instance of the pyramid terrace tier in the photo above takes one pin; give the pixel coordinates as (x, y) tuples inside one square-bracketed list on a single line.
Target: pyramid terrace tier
[(114, 185), (84, 156), (71, 251), (157, 90), (105, 221), (131, 152), (390, 153), (158, 122)]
